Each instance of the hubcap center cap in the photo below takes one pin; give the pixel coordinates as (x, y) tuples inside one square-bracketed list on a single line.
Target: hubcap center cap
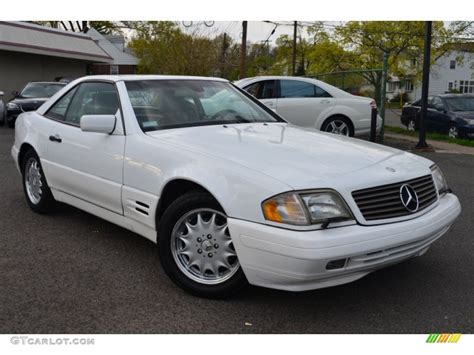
[(206, 245)]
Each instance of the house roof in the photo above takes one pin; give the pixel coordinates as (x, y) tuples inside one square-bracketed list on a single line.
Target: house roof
[(30, 38), (114, 48)]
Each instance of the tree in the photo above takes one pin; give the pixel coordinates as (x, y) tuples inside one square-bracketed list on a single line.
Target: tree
[(103, 27), (164, 49), (362, 45)]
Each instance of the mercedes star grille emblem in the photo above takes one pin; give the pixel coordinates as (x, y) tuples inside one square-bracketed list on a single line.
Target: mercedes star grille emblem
[(409, 198)]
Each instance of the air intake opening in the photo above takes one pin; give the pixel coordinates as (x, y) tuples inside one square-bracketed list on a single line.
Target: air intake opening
[(336, 264)]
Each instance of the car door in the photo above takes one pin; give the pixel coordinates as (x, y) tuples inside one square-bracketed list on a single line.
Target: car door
[(265, 91), (437, 117), (87, 165), (301, 103)]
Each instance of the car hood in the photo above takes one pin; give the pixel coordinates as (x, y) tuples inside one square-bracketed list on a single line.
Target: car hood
[(301, 158), (29, 104)]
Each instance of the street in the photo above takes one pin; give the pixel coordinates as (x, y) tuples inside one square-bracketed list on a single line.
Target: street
[(71, 272)]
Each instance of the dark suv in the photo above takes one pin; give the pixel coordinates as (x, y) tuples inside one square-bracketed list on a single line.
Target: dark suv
[(30, 98), (447, 113)]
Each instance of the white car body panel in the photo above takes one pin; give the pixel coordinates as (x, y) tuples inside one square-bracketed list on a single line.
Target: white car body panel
[(86, 165), (120, 177), (313, 112)]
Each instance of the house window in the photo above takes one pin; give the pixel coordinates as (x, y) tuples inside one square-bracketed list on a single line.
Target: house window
[(466, 86), (393, 86), (452, 64), (450, 86), (114, 70), (408, 85)]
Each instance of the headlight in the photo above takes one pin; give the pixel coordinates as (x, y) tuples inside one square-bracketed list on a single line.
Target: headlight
[(439, 180), (12, 106), (306, 208), (468, 121)]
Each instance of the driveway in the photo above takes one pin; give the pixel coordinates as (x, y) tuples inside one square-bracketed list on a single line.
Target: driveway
[(74, 273)]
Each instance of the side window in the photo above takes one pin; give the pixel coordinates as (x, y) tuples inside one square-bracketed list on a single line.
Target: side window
[(268, 89), (92, 99), (295, 88), (59, 109), (262, 89), (253, 89), (320, 92)]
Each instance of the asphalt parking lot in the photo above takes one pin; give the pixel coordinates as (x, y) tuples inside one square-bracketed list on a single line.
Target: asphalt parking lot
[(74, 273)]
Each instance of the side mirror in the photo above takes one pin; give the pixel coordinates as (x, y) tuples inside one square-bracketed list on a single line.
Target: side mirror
[(15, 93), (98, 123)]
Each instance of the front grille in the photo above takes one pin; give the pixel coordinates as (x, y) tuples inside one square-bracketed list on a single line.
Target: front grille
[(384, 201)]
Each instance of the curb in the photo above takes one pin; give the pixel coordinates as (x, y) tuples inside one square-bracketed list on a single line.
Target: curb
[(440, 147)]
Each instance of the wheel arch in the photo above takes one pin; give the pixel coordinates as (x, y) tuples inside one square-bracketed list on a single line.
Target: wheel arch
[(176, 188), (25, 147)]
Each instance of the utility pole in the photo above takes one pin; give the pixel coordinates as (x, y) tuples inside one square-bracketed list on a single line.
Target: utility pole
[(243, 50), (295, 33), (383, 94), (425, 86), (223, 55)]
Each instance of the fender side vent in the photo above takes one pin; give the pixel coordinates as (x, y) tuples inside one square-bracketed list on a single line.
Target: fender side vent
[(142, 204), (141, 211)]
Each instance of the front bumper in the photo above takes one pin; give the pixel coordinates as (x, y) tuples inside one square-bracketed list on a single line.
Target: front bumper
[(297, 260)]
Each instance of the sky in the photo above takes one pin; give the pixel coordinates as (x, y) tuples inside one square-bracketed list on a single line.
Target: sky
[(257, 31)]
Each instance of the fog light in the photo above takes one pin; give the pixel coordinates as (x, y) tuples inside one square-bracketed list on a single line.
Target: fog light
[(336, 264)]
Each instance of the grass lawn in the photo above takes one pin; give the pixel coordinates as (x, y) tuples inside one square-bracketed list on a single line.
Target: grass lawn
[(433, 136)]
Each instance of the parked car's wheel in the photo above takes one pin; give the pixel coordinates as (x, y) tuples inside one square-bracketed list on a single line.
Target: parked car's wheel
[(453, 131), (196, 249), (10, 123), (411, 125), (38, 195), (338, 125)]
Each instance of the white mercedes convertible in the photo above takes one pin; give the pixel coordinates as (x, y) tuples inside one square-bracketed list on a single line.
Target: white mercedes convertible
[(231, 193)]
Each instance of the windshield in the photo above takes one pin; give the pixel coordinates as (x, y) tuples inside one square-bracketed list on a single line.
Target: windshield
[(460, 103), (162, 104), (41, 89)]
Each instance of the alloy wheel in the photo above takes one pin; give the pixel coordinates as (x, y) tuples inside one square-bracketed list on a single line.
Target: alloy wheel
[(338, 127), (453, 132), (202, 247), (34, 186)]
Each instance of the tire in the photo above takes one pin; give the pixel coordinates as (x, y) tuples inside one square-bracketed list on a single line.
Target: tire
[(340, 125), (183, 239), (10, 123), (40, 200), (453, 131)]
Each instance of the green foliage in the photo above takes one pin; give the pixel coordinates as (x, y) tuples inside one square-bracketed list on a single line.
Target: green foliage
[(432, 136), (164, 49)]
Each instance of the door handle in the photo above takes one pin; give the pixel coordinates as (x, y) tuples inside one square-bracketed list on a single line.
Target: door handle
[(325, 101), (55, 138), (268, 103)]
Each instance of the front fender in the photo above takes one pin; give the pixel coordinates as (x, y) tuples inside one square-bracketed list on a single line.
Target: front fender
[(238, 189)]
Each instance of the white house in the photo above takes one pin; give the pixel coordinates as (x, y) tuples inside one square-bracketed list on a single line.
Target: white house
[(452, 71)]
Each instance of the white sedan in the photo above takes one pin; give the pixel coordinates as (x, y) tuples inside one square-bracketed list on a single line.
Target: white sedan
[(312, 103), (229, 191)]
